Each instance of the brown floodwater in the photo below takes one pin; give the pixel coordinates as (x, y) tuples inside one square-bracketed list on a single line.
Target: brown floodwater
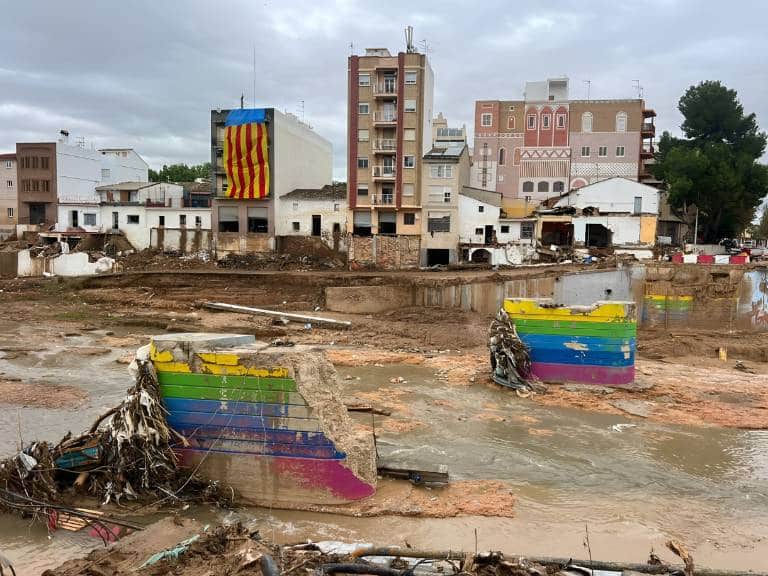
[(633, 483)]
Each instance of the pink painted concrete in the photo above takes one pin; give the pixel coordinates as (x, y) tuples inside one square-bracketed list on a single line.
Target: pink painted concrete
[(603, 375)]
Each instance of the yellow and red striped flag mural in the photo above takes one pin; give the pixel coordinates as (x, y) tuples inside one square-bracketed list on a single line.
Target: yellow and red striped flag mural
[(246, 154)]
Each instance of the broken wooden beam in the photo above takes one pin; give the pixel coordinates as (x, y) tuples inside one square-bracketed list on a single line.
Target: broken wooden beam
[(278, 314), (367, 409), (417, 476)]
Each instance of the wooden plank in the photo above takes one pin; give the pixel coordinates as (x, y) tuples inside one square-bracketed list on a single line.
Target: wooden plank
[(278, 314)]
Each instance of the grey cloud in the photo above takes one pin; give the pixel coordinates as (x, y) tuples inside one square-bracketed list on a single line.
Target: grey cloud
[(146, 73)]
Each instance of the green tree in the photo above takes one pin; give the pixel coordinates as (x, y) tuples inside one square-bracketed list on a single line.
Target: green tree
[(716, 165), (180, 173)]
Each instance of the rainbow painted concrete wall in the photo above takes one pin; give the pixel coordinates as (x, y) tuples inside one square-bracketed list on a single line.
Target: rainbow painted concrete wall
[(588, 344), (662, 309), (265, 420)]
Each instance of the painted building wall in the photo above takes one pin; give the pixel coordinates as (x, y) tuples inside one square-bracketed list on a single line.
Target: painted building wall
[(332, 212), (122, 165), (78, 172), (490, 169), (302, 158), (471, 219), (616, 195), (29, 174), (8, 194)]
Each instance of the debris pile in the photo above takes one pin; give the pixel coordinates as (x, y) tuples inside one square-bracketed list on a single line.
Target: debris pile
[(510, 359)]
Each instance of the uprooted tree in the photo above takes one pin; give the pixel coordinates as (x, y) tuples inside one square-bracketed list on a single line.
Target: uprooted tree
[(715, 167)]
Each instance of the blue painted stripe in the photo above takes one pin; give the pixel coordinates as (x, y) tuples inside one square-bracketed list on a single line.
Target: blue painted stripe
[(245, 116), (592, 343), (235, 407), (267, 449), (264, 436), (599, 351), (186, 419)]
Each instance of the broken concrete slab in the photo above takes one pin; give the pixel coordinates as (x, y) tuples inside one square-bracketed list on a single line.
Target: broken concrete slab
[(641, 408)]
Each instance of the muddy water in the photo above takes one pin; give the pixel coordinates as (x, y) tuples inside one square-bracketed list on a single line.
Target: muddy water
[(633, 486)]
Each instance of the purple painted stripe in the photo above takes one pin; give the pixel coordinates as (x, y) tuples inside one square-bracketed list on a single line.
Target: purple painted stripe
[(604, 375)]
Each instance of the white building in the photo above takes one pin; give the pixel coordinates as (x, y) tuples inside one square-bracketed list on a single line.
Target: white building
[(479, 212), (613, 212), (317, 212), (122, 165), (8, 194)]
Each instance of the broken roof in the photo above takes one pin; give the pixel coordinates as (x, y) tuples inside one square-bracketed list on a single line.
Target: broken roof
[(196, 187), (328, 192), (484, 196), (127, 186)]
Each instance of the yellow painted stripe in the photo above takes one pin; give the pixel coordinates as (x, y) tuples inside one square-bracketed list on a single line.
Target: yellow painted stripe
[(225, 359), (240, 370), (608, 312), (660, 297), (172, 367)]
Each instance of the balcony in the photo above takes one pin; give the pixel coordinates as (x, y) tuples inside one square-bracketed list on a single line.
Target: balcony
[(384, 172), (649, 113), (384, 146), (382, 200), (385, 90), (647, 152), (648, 130), (385, 117)]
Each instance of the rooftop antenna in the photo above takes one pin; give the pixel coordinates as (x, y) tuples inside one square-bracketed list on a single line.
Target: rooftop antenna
[(636, 84), (589, 87), (425, 46), (409, 40), (301, 109), (242, 99), (351, 48)]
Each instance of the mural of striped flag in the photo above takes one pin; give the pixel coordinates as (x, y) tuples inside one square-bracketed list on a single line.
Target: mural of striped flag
[(246, 154)]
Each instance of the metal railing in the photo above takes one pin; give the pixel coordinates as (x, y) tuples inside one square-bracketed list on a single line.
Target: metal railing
[(648, 127), (382, 199), (385, 116), (384, 145), (385, 88), (383, 171)]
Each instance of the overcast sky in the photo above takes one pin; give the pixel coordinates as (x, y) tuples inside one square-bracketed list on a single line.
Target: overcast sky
[(145, 73)]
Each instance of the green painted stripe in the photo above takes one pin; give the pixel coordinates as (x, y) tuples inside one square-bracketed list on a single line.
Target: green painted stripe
[(239, 394), (564, 328), (218, 381)]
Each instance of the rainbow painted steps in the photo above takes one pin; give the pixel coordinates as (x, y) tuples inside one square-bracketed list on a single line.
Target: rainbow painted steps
[(586, 344), (265, 420)]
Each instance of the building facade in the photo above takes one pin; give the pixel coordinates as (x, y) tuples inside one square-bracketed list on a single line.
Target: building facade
[(8, 195), (390, 100), (36, 183), (122, 165), (316, 213), (297, 158), (547, 144)]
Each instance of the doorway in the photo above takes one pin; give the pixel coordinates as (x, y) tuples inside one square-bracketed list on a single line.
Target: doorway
[(316, 227), (73, 218), (597, 236), (489, 234), (438, 257), (115, 220), (37, 213)]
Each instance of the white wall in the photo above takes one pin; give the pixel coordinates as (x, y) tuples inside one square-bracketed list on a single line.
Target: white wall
[(64, 219), (171, 216), (302, 158), (428, 106), (124, 166), (471, 218), (514, 232), (626, 229), (615, 195), (301, 211), (78, 172)]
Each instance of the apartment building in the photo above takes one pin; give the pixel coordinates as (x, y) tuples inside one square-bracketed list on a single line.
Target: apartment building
[(445, 171), (122, 165), (291, 156), (390, 101), (36, 183), (546, 144), (8, 194)]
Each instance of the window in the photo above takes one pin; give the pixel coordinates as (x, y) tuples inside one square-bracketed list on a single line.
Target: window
[(409, 134), (638, 205), (602, 151), (387, 223), (561, 120), (620, 151), (229, 220), (105, 173), (481, 209), (198, 221), (438, 222), (511, 108), (44, 185), (258, 221), (486, 150), (362, 190), (486, 120), (585, 152), (479, 231), (364, 79), (132, 219), (336, 207), (44, 162), (545, 121), (296, 226), (295, 205), (363, 108), (224, 186), (621, 122), (531, 121), (182, 220), (361, 223), (543, 187), (409, 218), (161, 221), (526, 230), (362, 136), (411, 77), (410, 105), (505, 228), (409, 161), (586, 122), (527, 186), (558, 187), (9, 183), (89, 219), (408, 189), (441, 171), (502, 156), (10, 212), (362, 162), (511, 122), (439, 194), (9, 164)]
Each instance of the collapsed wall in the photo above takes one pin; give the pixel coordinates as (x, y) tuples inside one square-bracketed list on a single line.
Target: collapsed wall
[(585, 344), (267, 421)]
